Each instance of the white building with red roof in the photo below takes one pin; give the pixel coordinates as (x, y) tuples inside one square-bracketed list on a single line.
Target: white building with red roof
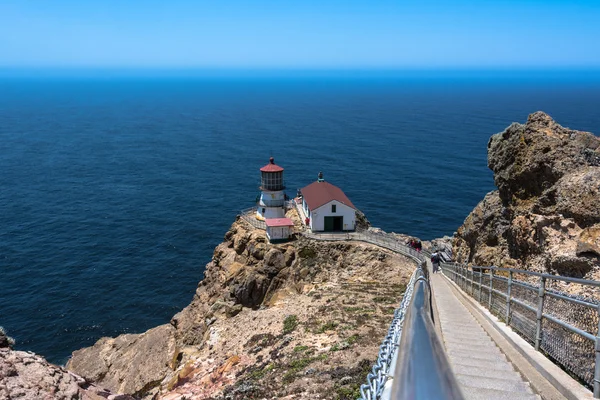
[(327, 208), (279, 229)]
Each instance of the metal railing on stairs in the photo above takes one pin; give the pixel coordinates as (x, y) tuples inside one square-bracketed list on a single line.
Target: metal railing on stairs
[(565, 327), (385, 240), (412, 362)]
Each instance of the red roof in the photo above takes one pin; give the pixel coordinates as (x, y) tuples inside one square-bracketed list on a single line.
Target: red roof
[(319, 193), (271, 167), (279, 222)]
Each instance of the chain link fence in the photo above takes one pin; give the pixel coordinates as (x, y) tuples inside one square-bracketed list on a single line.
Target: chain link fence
[(388, 350), (563, 326), (249, 215)]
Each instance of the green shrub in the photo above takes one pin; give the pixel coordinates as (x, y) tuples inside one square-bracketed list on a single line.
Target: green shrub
[(290, 323)]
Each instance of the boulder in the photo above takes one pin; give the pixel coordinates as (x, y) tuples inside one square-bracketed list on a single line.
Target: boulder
[(132, 363)]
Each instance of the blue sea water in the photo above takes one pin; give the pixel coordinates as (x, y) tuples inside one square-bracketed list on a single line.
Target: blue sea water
[(115, 190)]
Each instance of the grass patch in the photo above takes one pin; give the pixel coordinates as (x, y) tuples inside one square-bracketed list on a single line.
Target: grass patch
[(388, 310), (299, 349), (353, 339), (290, 323), (357, 309), (258, 374), (298, 365), (348, 392), (345, 344), (328, 326), (384, 299)]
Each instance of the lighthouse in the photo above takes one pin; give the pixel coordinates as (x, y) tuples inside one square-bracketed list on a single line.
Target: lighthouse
[(271, 202)]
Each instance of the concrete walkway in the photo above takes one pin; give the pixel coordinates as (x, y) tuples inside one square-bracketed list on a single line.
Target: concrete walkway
[(482, 370)]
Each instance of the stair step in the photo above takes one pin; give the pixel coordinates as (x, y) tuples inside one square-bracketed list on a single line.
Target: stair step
[(485, 371), (462, 335), (479, 347), (471, 393), (497, 383), (466, 342), (460, 354), (479, 363)]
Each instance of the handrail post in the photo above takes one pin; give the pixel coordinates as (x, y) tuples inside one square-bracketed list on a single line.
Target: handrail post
[(472, 281), (540, 312), (508, 290), (480, 283), (491, 289), (597, 366)]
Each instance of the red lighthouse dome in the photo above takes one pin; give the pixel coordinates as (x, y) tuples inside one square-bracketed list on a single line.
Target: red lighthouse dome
[(271, 177)]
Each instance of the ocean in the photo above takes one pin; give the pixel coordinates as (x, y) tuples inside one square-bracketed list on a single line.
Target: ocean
[(115, 189)]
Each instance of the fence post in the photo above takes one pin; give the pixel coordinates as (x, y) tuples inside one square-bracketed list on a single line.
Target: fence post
[(480, 283), (597, 366), (491, 289), (540, 313), (508, 290), (472, 279)]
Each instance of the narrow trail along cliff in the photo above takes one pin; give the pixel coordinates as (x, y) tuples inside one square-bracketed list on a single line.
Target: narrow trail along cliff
[(302, 319)]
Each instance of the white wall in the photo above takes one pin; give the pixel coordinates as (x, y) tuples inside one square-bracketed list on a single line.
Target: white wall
[(278, 232), (317, 222), (270, 212), (266, 196)]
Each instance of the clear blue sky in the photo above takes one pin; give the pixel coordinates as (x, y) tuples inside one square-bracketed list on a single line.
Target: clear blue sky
[(300, 34)]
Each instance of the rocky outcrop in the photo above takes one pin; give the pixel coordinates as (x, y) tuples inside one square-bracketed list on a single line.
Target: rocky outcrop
[(5, 340), (267, 320), (26, 376), (545, 215), (133, 364)]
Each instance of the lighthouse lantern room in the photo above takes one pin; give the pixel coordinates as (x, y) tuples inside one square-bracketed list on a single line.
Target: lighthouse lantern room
[(271, 202)]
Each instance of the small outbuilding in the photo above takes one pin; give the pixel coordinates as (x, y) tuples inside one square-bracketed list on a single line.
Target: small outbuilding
[(327, 208), (279, 229)]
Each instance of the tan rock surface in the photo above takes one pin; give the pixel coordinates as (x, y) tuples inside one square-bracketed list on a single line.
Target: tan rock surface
[(546, 212), (302, 319), (132, 364), (27, 376)]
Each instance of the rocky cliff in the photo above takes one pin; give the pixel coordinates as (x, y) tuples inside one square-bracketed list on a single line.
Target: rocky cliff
[(545, 215), (301, 319), (27, 376)]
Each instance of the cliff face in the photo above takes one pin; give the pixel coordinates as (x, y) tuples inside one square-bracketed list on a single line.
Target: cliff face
[(268, 320), (545, 215)]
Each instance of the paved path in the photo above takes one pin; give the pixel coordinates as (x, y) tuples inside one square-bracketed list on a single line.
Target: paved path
[(480, 367)]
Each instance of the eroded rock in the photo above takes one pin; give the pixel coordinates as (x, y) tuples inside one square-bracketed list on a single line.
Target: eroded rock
[(132, 363), (545, 213)]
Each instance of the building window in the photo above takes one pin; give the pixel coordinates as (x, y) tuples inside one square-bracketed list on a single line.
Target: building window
[(264, 211), (333, 207)]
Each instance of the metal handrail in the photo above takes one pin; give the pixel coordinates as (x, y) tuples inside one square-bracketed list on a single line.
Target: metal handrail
[(567, 347), (541, 275), (422, 368), (412, 363)]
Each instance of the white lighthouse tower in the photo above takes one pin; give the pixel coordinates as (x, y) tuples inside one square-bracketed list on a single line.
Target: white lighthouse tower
[(271, 202)]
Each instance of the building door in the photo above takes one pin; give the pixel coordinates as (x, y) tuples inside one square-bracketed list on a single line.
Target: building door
[(338, 223), (328, 224), (333, 224)]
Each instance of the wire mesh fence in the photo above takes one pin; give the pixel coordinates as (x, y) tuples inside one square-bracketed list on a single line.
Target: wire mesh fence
[(249, 215), (565, 327)]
